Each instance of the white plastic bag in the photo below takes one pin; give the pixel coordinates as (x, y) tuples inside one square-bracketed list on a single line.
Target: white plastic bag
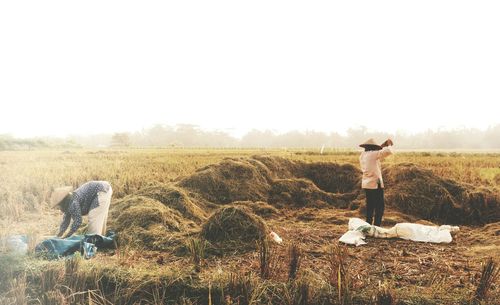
[(355, 223), (276, 237), (423, 233), (17, 244), (353, 238), (359, 229)]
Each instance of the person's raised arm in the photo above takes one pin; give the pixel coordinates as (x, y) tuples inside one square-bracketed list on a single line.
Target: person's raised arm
[(387, 143), (386, 150)]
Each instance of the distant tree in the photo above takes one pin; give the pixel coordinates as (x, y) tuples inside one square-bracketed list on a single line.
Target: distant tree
[(120, 139), (492, 137), (257, 138), (7, 142), (159, 135), (189, 135), (185, 135)]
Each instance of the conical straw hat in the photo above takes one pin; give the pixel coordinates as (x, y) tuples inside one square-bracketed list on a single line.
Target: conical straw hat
[(369, 142), (58, 195)]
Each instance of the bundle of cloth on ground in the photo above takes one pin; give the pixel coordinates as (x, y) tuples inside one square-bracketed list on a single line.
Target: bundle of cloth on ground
[(359, 229), (87, 245)]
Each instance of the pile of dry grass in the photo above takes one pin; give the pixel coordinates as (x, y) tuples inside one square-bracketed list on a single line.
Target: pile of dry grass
[(175, 198), (235, 228), (332, 177), (296, 192), (158, 216), (484, 242), (261, 208), (278, 167), (148, 223), (303, 192), (327, 176), (275, 180), (228, 181), (421, 193)]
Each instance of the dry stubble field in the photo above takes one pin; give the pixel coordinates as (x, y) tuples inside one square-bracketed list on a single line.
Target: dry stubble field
[(301, 195)]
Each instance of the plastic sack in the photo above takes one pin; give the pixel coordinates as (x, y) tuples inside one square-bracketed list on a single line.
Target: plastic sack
[(423, 233), (359, 229), (275, 237), (89, 250), (17, 244), (356, 238)]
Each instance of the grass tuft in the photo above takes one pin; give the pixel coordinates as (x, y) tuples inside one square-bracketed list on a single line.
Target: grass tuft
[(294, 260), (489, 274), (196, 248)]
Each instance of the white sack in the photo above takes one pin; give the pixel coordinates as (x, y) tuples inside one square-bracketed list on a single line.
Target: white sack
[(353, 238), (423, 233), (355, 223), (359, 229), (17, 244)]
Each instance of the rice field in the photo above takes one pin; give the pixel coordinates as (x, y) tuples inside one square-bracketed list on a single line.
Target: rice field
[(310, 267)]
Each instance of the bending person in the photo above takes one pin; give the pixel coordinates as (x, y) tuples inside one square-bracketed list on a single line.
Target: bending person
[(92, 198), (372, 181)]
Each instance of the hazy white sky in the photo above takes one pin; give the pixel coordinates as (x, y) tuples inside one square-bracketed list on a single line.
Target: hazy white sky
[(104, 66)]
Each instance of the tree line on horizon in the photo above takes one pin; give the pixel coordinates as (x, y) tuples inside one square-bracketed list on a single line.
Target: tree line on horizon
[(194, 136)]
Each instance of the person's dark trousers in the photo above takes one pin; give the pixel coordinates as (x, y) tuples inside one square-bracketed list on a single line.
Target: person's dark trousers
[(374, 203)]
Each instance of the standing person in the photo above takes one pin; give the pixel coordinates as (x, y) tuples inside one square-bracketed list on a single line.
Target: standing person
[(92, 198), (372, 181)]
